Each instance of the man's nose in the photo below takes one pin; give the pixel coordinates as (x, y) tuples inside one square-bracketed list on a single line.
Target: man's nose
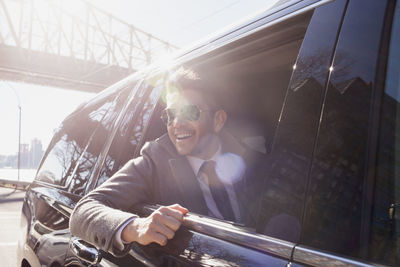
[(178, 120)]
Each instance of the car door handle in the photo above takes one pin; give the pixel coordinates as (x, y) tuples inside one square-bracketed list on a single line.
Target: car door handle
[(85, 251)]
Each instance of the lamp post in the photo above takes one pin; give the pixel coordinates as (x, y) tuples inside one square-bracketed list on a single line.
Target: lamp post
[(19, 128), (19, 139)]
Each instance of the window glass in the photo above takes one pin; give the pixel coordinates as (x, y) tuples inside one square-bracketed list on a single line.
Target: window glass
[(385, 239), (68, 152), (251, 79), (290, 160), (337, 189), (128, 138), (67, 146), (97, 141)]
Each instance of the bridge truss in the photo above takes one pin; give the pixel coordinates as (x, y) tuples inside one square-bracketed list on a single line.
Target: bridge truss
[(44, 41)]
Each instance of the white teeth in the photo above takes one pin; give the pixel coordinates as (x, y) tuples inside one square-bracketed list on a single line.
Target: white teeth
[(183, 135)]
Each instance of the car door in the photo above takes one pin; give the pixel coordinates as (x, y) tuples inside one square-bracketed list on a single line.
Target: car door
[(349, 213), (123, 144), (63, 176)]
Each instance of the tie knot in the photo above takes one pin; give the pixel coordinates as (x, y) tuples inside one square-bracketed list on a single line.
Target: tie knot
[(208, 168)]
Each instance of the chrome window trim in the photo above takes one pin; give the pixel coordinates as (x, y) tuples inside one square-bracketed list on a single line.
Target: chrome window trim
[(318, 258), (235, 233)]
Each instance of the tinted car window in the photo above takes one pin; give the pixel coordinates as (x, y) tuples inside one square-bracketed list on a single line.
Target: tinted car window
[(96, 144), (290, 160), (251, 78), (336, 187), (75, 145)]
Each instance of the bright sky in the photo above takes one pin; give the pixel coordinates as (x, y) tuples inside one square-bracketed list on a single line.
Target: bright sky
[(43, 109), (180, 22)]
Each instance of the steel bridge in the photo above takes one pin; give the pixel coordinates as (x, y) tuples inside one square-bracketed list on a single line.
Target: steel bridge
[(43, 42)]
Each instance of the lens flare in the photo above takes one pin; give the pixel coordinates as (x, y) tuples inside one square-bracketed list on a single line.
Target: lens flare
[(230, 168)]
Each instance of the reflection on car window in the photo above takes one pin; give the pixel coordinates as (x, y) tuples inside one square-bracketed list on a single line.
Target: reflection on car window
[(129, 134), (65, 149), (61, 161), (290, 159), (107, 118), (336, 187), (71, 151)]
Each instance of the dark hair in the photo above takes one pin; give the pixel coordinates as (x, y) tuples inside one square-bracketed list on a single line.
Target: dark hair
[(187, 79)]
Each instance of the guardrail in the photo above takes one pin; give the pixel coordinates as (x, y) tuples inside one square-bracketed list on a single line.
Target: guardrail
[(19, 185)]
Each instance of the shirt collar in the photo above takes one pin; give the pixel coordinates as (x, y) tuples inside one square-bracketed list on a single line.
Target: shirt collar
[(196, 162)]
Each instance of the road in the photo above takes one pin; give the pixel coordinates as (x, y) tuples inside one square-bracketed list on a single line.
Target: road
[(10, 212)]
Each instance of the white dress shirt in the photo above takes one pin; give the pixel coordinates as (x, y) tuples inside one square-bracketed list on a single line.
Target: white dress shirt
[(202, 178)]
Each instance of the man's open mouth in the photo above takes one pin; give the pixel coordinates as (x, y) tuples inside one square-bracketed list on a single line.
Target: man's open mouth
[(184, 135)]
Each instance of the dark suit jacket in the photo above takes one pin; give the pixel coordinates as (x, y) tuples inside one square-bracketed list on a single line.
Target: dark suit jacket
[(159, 176)]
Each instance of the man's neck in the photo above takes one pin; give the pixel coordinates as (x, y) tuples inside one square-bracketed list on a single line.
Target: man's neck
[(196, 162), (210, 148)]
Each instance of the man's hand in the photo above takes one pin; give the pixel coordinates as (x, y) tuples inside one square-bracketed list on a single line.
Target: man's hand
[(160, 226)]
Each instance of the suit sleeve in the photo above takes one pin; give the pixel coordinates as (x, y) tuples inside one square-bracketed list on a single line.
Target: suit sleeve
[(97, 217)]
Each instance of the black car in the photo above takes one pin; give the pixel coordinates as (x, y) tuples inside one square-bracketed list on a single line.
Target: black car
[(314, 85)]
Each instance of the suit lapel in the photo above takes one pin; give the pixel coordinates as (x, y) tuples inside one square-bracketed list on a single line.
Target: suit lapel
[(184, 178), (188, 185)]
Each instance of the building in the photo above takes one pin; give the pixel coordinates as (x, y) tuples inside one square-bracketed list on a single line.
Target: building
[(35, 153)]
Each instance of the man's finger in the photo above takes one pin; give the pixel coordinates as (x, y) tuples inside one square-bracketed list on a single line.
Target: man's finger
[(179, 207), (175, 213), (162, 229), (167, 220), (159, 238)]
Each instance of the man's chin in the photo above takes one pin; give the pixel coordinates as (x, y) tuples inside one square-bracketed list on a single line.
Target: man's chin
[(183, 151)]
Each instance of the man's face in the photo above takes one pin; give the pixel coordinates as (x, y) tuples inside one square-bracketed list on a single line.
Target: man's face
[(191, 137)]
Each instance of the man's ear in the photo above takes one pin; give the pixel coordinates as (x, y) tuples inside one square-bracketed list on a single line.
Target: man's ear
[(220, 117)]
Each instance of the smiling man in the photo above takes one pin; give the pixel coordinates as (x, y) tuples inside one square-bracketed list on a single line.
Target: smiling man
[(196, 167), (193, 123)]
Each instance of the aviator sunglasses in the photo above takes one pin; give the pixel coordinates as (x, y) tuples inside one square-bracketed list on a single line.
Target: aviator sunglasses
[(187, 112)]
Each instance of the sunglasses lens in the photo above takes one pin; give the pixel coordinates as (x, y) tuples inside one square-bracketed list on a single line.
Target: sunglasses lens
[(190, 112)]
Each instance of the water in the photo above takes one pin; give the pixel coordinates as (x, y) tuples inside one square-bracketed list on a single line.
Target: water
[(26, 175)]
